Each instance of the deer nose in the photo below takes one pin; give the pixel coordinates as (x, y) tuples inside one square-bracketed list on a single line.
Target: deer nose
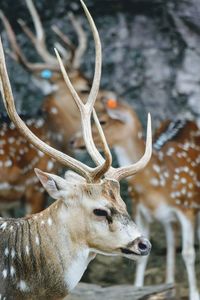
[(144, 246), (71, 143)]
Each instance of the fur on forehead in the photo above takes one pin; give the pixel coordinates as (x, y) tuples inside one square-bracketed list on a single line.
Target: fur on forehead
[(108, 189), (72, 177)]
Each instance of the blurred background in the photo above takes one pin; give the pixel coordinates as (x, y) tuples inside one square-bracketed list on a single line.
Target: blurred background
[(151, 59)]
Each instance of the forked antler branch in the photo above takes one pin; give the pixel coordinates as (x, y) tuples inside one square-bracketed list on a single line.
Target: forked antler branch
[(37, 40), (17, 53), (76, 52), (91, 174), (103, 165), (123, 172)]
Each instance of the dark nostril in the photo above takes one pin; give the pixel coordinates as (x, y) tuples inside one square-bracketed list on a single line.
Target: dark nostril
[(144, 246), (71, 142)]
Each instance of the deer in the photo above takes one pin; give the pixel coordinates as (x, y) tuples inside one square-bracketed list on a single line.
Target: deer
[(57, 119), (45, 254), (167, 189)]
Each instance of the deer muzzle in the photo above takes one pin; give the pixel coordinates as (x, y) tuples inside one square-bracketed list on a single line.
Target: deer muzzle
[(140, 247)]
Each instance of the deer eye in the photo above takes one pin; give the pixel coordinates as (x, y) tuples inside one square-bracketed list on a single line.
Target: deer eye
[(103, 122), (100, 212), (84, 91)]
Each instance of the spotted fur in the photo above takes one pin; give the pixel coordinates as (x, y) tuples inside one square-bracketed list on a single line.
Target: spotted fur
[(167, 189), (172, 130), (43, 256)]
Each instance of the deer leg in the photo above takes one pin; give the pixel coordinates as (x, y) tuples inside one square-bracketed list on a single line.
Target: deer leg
[(188, 252), (170, 244), (144, 225)]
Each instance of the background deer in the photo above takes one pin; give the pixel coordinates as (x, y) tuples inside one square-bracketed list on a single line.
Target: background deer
[(18, 157), (45, 255), (169, 187)]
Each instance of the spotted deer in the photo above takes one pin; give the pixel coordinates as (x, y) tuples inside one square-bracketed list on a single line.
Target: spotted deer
[(45, 255), (167, 189), (17, 156)]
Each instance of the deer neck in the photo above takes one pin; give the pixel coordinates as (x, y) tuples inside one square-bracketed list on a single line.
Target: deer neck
[(43, 250), (129, 151), (61, 116)]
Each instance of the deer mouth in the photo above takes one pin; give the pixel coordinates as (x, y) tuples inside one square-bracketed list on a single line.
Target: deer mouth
[(81, 148), (129, 252)]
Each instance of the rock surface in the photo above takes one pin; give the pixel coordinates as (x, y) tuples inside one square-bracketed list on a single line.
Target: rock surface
[(122, 292)]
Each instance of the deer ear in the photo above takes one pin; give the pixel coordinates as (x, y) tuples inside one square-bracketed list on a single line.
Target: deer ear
[(53, 184), (119, 114)]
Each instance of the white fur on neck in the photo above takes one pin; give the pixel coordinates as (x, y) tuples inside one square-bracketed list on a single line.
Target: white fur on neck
[(77, 267), (122, 156)]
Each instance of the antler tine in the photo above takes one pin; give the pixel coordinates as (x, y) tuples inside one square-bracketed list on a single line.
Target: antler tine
[(98, 61), (108, 155), (36, 20), (38, 40), (82, 41), (76, 97), (64, 159), (123, 172), (17, 53), (69, 56), (62, 50), (86, 109), (63, 37), (85, 117)]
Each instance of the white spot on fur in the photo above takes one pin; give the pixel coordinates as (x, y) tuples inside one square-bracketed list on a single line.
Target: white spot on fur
[(183, 180), (8, 163), (155, 182), (156, 168), (49, 165), (11, 140), (40, 153), (54, 110)]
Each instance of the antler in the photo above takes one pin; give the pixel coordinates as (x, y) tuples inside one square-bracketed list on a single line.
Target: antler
[(76, 52), (86, 109), (103, 165), (123, 172), (82, 42), (91, 174), (17, 53), (37, 40)]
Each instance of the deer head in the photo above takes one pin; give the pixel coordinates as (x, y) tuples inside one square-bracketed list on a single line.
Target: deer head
[(89, 201), (120, 124)]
